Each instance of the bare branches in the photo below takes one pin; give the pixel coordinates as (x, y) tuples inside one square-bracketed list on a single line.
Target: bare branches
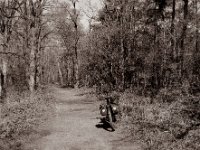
[(12, 54)]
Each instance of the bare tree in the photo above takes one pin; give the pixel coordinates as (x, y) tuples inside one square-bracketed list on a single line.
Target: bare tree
[(74, 17)]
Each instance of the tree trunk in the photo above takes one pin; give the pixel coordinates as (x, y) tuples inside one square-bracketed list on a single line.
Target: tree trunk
[(37, 59), (3, 74), (173, 44), (76, 73), (60, 73), (197, 27), (1, 86), (122, 64), (122, 52), (183, 36), (196, 52), (69, 72), (33, 60), (76, 64), (32, 76), (4, 69)]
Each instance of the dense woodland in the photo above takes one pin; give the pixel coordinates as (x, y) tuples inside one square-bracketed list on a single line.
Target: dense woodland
[(150, 49), (130, 44), (146, 45)]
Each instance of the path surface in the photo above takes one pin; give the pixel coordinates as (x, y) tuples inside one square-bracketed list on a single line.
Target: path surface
[(74, 126)]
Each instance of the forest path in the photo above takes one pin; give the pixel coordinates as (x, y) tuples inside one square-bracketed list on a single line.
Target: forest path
[(74, 126)]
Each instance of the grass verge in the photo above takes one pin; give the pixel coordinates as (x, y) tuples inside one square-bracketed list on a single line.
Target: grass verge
[(171, 121), (22, 115)]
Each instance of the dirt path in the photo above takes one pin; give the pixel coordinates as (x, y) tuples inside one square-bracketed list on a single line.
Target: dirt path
[(74, 126)]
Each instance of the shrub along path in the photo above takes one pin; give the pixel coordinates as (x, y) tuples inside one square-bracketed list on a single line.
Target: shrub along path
[(74, 126)]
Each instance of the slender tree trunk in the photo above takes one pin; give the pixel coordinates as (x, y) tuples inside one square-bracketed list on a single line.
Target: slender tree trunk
[(196, 52), (76, 64), (37, 59), (183, 36), (1, 85), (73, 71), (173, 44), (4, 69), (32, 72), (154, 64), (69, 72), (31, 34), (4, 60), (122, 52), (76, 73), (66, 71), (33, 61), (197, 28), (122, 64), (60, 73)]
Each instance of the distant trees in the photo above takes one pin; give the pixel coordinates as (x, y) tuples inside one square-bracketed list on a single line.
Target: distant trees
[(69, 31)]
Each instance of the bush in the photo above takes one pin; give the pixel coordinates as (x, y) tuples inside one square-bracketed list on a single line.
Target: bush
[(170, 122), (23, 113)]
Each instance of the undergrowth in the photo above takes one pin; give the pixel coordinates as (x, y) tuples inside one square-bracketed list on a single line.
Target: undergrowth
[(171, 121), (22, 115)]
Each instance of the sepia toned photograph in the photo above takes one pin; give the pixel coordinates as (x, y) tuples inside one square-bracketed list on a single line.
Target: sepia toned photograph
[(99, 74)]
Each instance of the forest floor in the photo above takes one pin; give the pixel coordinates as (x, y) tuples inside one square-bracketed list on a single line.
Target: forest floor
[(75, 127)]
